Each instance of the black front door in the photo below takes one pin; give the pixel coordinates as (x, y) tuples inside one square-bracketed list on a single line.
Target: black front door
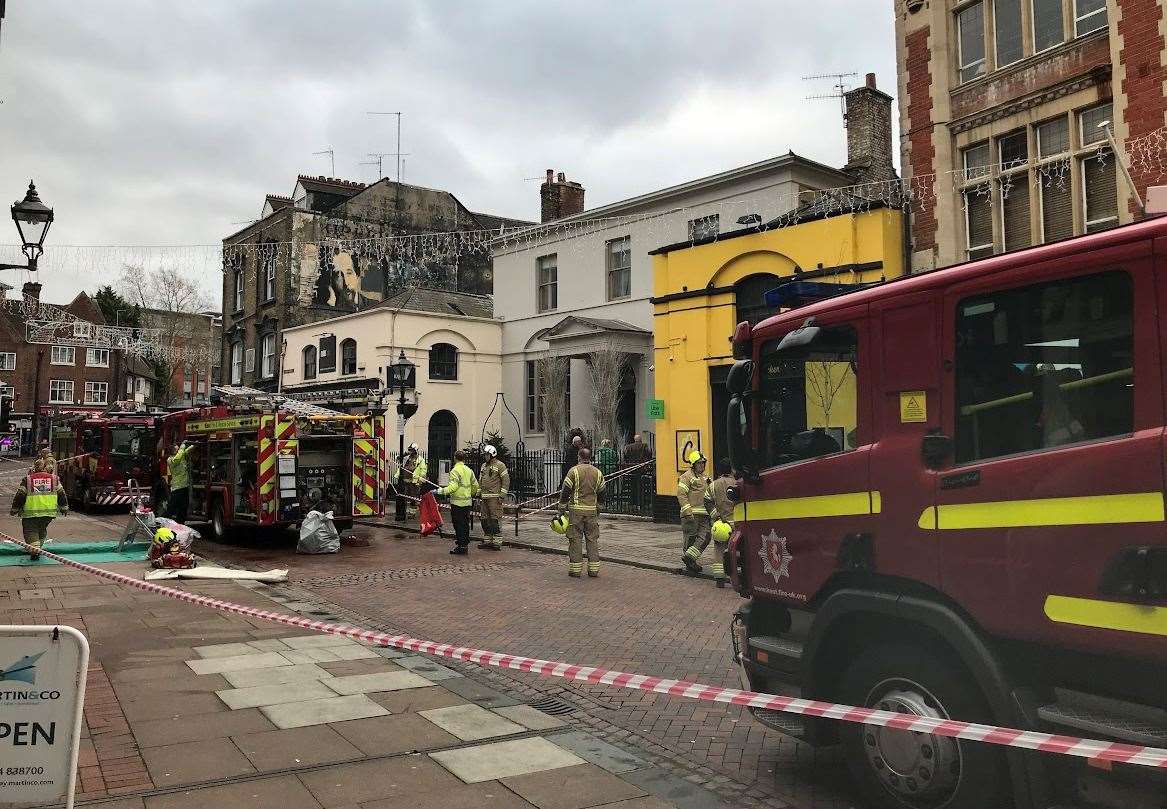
[(443, 440)]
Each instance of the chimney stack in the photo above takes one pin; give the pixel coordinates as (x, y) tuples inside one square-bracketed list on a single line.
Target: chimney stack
[(559, 198), (869, 147), (32, 289)]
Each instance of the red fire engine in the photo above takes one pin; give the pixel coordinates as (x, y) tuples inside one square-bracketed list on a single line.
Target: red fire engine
[(952, 504), (102, 454), (269, 463)]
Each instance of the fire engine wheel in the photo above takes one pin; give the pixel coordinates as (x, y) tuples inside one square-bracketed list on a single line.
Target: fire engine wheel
[(899, 769), (218, 522)]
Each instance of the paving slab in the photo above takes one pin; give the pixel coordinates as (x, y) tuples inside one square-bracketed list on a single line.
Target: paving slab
[(225, 650), (647, 802), (427, 668), (318, 641), (277, 675), (296, 747), (330, 654), (322, 711), (344, 668), (146, 673), (528, 717), (488, 762), (598, 752), (413, 700), (490, 795), (389, 652), (283, 792), (675, 790), (160, 705), (218, 665), (192, 762), (188, 683), (372, 683), (572, 788), (471, 723), (173, 730), (477, 693), (396, 779), (389, 735), (258, 695), (269, 645), (354, 652), (124, 803)]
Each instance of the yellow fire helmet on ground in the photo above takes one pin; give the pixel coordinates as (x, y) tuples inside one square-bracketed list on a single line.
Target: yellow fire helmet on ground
[(163, 535)]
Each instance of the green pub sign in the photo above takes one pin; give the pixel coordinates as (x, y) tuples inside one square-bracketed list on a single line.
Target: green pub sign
[(654, 408)]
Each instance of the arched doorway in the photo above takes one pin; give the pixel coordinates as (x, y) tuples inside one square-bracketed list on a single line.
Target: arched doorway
[(443, 439)]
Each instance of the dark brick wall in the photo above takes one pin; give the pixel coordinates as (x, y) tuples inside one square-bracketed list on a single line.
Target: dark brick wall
[(869, 149), (559, 198), (1141, 56), (921, 151)]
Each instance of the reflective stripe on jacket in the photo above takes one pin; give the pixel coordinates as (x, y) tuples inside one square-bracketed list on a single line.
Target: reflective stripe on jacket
[(691, 489), (462, 486), (494, 479), (40, 499), (179, 468), (581, 488)]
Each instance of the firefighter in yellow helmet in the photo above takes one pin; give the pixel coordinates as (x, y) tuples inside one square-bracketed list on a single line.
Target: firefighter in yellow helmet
[(39, 498), (580, 498), (720, 508), (691, 491)]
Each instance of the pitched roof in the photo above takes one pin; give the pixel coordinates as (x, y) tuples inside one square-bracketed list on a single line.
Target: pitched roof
[(441, 301), (330, 185), (597, 323), (491, 221)]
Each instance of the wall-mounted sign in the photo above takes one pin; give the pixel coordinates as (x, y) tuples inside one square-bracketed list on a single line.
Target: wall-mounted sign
[(654, 408), (687, 441), (42, 690)]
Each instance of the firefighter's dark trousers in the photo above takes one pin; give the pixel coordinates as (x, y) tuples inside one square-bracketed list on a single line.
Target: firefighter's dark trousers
[(461, 518)]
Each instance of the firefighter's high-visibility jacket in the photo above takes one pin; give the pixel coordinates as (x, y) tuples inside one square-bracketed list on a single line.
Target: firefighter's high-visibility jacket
[(494, 479), (581, 489), (718, 502), (179, 468), (462, 486), (691, 489), (419, 470), (40, 495)]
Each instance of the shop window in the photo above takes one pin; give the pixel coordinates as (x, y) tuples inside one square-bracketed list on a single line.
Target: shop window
[(1044, 365), (809, 398)]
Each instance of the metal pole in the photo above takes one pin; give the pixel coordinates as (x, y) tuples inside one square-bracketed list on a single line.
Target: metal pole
[(1118, 159), (400, 455), (399, 148)]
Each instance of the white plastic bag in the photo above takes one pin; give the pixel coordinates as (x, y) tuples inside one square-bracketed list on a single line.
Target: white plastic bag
[(318, 534)]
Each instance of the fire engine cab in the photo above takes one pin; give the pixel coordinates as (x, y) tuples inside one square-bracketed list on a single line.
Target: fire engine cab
[(951, 504), (102, 455), (263, 460)]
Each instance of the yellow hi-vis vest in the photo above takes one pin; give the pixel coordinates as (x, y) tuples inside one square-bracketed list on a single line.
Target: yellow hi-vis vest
[(41, 500), (691, 490), (462, 486), (179, 469), (419, 470), (582, 487)]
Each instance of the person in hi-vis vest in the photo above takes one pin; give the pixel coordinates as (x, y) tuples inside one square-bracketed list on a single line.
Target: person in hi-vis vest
[(39, 498)]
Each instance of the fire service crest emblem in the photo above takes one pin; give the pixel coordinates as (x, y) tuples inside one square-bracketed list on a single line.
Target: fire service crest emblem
[(776, 558)]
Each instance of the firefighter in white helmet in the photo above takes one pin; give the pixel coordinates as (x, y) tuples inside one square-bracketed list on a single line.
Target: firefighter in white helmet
[(720, 507), (691, 491), (493, 483), (413, 470)]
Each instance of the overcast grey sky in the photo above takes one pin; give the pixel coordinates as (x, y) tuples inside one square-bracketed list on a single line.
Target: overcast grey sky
[(147, 122)]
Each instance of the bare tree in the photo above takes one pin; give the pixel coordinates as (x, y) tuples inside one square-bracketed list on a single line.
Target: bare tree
[(553, 376), (606, 369), (173, 303), (824, 380)]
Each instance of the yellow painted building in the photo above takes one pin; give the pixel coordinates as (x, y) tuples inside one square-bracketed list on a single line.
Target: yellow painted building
[(702, 291)]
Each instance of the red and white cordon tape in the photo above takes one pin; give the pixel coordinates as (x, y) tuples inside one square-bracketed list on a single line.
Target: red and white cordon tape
[(1008, 737)]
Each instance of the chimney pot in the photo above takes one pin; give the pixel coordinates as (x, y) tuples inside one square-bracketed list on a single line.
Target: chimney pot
[(32, 289), (550, 176), (871, 80), (559, 198), (561, 177)]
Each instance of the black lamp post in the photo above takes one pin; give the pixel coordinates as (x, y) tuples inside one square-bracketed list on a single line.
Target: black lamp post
[(32, 218), (402, 378)]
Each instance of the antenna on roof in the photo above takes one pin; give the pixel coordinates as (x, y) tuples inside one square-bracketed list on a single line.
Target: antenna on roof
[(840, 85), (331, 157), (398, 152)]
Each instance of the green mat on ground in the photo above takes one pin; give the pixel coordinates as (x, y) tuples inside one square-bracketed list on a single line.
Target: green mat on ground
[(88, 552)]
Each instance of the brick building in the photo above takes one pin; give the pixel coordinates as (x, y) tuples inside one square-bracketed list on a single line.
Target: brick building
[(321, 253), (46, 382), (1005, 100)]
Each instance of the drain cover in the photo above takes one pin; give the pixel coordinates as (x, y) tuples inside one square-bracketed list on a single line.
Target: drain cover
[(553, 706)]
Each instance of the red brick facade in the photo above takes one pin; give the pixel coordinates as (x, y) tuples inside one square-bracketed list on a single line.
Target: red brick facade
[(1141, 56), (922, 152)]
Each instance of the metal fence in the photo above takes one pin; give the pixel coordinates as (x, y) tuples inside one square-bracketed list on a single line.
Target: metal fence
[(537, 477)]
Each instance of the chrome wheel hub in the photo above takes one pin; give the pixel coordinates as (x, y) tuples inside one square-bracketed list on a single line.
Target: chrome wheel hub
[(920, 769)]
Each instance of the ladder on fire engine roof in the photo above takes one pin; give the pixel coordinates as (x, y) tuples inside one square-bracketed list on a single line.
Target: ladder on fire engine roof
[(242, 396)]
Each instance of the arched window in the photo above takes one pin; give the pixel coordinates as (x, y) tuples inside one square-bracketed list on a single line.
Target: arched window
[(443, 361), (348, 356), (751, 297), (309, 362)]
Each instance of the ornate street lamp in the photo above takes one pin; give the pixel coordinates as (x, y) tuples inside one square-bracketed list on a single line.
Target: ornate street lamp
[(32, 218), (403, 379)]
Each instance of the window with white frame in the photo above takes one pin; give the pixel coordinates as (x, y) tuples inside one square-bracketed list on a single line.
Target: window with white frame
[(268, 347), (547, 281), (1099, 182), (1009, 43), (237, 266), (61, 391), (309, 362), (1089, 15), (1053, 169), (7, 392), (7, 360), (267, 271), (63, 355), (249, 360), (1013, 189), (348, 356), (704, 227), (970, 41), (618, 253), (978, 203), (96, 393), (129, 384), (97, 357), (1048, 26), (535, 398), (236, 363)]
